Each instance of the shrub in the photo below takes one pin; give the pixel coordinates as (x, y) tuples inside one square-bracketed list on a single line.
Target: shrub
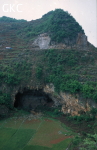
[(11, 79), (87, 90), (39, 72), (72, 86)]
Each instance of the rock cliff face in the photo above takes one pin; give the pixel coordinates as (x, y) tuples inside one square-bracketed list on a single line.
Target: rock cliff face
[(71, 104), (31, 98), (43, 41), (82, 42), (82, 39)]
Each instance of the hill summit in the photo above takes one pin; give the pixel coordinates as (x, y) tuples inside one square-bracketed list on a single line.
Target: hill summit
[(57, 29)]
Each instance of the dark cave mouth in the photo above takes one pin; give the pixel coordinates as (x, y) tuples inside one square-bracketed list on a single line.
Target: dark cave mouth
[(32, 100)]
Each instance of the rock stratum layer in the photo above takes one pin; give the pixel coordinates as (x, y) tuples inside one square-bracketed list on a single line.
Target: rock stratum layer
[(43, 41)]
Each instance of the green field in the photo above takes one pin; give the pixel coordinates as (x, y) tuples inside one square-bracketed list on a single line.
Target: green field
[(32, 133)]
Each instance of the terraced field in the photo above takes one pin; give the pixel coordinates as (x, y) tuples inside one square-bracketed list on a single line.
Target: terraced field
[(34, 132)]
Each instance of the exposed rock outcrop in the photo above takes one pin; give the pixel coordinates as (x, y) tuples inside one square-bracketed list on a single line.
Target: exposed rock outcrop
[(71, 104), (31, 97), (43, 41), (82, 41)]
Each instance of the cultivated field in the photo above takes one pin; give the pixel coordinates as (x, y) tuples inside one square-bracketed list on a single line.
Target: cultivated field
[(33, 132)]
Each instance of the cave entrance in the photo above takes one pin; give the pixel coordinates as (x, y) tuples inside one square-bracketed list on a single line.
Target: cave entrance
[(32, 99)]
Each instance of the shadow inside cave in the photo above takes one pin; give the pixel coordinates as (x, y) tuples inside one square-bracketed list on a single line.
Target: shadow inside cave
[(32, 99)]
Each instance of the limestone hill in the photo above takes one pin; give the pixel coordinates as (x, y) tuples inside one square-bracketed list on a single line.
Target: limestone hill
[(50, 56)]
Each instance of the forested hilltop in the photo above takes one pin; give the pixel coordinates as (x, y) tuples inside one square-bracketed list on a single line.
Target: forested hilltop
[(49, 61)]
